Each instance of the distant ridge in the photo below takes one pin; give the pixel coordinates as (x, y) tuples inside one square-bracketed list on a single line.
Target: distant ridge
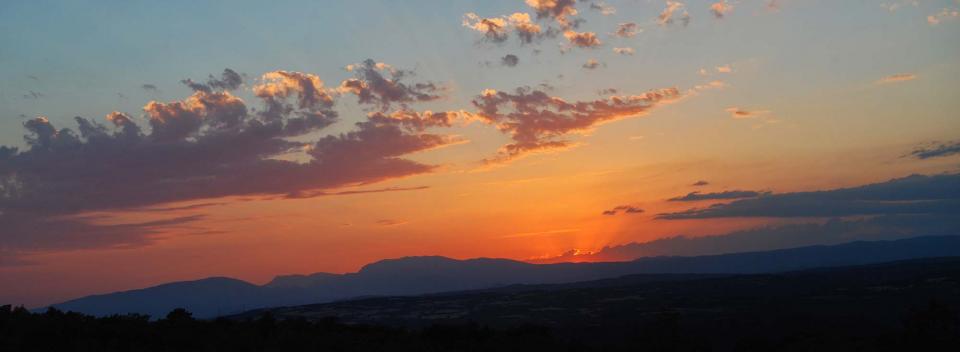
[(213, 297)]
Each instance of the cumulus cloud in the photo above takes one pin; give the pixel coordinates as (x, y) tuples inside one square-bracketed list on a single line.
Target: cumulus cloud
[(740, 113), (624, 51), (560, 10), (537, 121), (623, 209), (209, 145), (697, 196), (582, 39), (917, 194), (900, 77), (509, 60), (381, 85), (720, 8), (498, 29), (627, 30), (936, 150), (674, 10)]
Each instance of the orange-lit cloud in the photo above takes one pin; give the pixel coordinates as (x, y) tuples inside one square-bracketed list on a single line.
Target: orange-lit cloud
[(537, 121), (740, 113), (582, 39), (673, 10), (900, 77), (720, 8)]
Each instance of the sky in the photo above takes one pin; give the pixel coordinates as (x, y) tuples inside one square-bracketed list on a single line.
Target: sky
[(145, 142)]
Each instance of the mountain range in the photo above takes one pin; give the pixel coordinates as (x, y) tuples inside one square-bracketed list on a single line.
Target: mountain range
[(219, 296)]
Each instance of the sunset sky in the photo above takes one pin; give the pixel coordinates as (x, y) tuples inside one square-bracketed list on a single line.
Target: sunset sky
[(251, 139)]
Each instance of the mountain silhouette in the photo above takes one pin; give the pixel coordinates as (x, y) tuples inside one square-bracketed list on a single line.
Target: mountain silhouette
[(433, 274)]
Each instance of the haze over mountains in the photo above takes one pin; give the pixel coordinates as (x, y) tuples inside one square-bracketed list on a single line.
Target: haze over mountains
[(421, 275)]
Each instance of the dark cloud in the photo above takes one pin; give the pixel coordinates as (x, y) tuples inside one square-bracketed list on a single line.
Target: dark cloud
[(936, 150), (509, 60), (229, 80), (373, 88), (149, 87), (208, 145), (700, 183), (917, 194), (537, 121), (697, 196), (623, 209), (831, 232)]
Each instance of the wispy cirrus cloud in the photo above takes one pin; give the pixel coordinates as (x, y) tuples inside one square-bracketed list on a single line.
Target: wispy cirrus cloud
[(623, 209), (698, 196), (741, 113), (936, 150), (897, 78)]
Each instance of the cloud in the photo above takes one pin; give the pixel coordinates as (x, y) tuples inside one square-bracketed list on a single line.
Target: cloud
[(627, 30), (917, 194), (391, 222), (623, 209), (724, 69), (509, 60), (900, 77), (592, 64), (582, 39), (720, 8), (831, 232), (559, 10), (372, 87), (624, 51), (229, 80), (30, 233), (603, 8), (943, 15), (674, 10), (209, 145), (33, 95), (149, 87), (537, 121), (936, 150), (697, 196), (498, 29), (700, 183), (740, 113)]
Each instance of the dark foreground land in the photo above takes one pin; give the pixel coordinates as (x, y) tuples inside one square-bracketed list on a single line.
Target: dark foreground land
[(902, 306)]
